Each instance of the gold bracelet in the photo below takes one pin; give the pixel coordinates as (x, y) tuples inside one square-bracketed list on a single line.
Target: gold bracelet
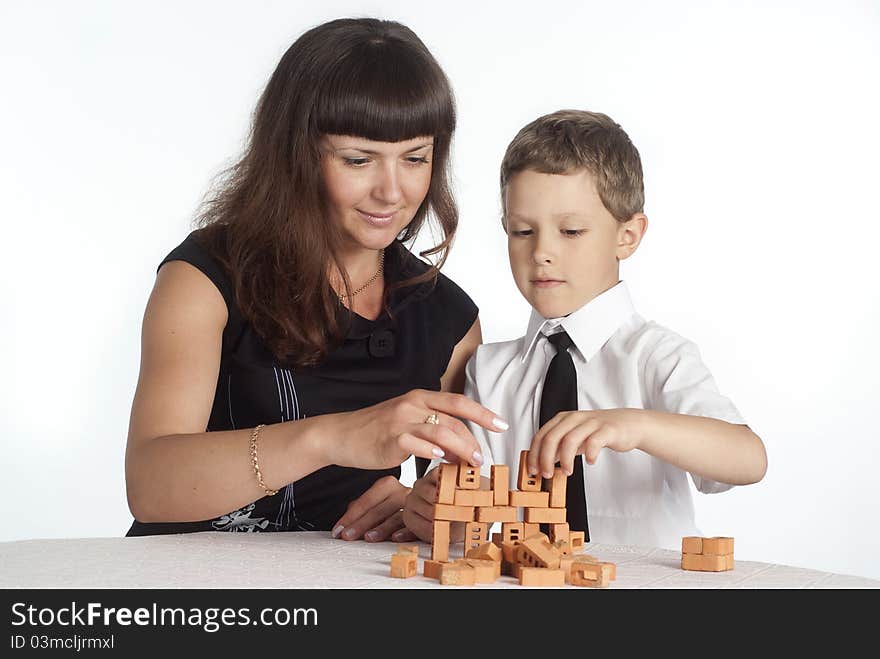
[(257, 472)]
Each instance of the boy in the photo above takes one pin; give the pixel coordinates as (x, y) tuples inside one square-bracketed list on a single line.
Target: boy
[(573, 202)]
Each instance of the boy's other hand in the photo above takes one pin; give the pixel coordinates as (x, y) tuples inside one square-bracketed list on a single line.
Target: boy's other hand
[(418, 510), (583, 433)]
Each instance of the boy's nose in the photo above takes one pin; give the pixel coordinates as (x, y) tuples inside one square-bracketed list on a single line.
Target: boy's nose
[(543, 252)]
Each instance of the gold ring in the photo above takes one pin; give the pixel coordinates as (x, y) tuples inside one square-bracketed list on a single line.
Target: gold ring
[(433, 419)]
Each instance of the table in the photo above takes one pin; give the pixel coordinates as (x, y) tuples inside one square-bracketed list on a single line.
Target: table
[(315, 560)]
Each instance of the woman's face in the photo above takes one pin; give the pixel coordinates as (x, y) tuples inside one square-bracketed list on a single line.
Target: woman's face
[(374, 188)]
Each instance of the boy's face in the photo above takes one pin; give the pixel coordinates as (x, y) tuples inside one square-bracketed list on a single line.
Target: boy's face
[(564, 245)]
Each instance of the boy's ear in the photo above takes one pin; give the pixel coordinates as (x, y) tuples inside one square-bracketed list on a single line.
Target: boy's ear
[(630, 234)]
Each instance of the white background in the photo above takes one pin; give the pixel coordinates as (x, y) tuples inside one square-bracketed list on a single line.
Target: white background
[(758, 128)]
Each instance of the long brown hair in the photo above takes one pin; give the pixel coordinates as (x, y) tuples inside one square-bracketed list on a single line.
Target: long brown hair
[(266, 221)]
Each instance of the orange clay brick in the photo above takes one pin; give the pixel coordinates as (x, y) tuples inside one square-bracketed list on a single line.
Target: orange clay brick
[(566, 562), (500, 484), (475, 534), (729, 558), (412, 549), (447, 479), (691, 544), (524, 482), (559, 532), (457, 574), (512, 532), (448, 513), (485, 571), (440, 543), (576, 541), (404, 565), (718, 545), (474, 498), (562, 547), (487, 551), (497, 514), (431, 569), (557, 488), (508, 552), (704, 562), (544, 516), (468, 477), (592, 575), (497, 538), (537, 552), (541, 576), (519, 499), (531, 529)]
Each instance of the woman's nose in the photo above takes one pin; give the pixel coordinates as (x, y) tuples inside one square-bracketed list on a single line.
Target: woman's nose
[(387, 187)]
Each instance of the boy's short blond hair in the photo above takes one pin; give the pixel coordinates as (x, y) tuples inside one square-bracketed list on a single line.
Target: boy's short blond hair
[(569, 140)]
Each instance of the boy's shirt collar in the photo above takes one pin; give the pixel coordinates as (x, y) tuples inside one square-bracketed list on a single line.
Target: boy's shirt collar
[(589, 327)]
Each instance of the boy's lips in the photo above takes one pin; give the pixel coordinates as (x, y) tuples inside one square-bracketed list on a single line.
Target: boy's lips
[(547, 283)]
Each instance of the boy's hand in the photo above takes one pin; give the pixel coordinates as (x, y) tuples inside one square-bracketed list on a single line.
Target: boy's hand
[(583, 432), (418, 510)]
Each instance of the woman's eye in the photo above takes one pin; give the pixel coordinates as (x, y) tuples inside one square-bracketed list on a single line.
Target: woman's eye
[(417, 160), (356, 162)]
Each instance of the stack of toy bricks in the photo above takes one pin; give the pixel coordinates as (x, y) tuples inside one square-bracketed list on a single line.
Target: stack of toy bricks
[(706, 554), (521, 550)]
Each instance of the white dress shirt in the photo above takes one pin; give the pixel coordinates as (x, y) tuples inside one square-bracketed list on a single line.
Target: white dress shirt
[(621, 360)]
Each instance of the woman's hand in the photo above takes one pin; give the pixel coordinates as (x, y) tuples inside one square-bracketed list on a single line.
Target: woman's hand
[(376, 514), (384, 435), (585, 432)]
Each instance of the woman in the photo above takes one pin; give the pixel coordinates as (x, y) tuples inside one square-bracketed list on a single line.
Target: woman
[(294, 351)]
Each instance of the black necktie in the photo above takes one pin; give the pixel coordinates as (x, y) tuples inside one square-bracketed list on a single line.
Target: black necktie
[(560, 395)]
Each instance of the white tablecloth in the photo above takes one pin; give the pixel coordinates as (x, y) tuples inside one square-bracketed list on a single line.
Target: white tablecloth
[(315, 560)]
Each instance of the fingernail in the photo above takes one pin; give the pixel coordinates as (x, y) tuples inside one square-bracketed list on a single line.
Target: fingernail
[(438, 452), (533, 471), (349, 533), (337, 530), (370, 536), (500, 424), (548, 474), (478, 457)]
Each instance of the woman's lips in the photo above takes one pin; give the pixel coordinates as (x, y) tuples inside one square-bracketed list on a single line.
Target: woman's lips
[(378, 220)]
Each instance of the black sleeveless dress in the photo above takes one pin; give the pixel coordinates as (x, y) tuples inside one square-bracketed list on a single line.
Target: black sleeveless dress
[(379, 360)]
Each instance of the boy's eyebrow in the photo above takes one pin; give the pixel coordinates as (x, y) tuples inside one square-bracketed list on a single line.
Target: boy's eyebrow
[(558, 216)]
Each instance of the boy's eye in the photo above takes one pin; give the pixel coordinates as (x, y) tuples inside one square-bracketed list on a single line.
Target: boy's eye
[(355, 162), (522, 232), (573, 233)]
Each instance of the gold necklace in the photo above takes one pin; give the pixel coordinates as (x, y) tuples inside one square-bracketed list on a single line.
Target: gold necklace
[(370, 280)]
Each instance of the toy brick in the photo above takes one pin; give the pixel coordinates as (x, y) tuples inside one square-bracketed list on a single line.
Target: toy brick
[(512, 531), (526, 483), (562, 547), (497, 538), (411, 549), (541, 576), (729, 562), (431, 569), (576, 541), (487, 551), (449, 513), (483, 498), (440, 542), (508, 552), (457, 574), (486, 571), (691, 544), (520, 499), (468, 477), (718, 546), (404, 565), (565, 563), (557, 486), (531, 529), (497, 514), (704, 562), (559, 532), (475, 534), (537, 551), (545, 515), (592, 575), (500, 484), (447, 479)]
